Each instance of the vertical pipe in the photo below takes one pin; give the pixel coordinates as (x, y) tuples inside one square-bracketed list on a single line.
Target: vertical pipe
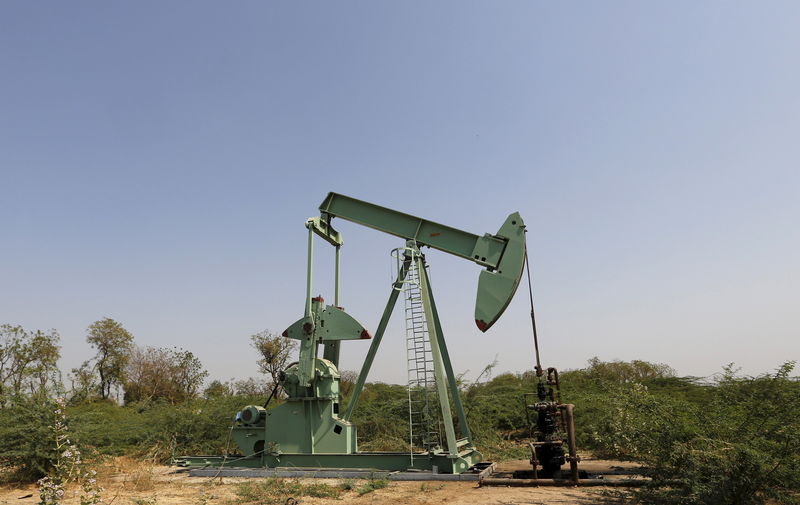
[(444, 400), (376, 340), (534, 461), (309, 269), (571, 443), (337, 279)]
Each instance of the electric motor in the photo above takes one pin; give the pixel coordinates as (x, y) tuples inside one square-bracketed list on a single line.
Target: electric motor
[(252, 414)]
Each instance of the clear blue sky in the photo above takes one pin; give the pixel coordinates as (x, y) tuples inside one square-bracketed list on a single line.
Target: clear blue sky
[(158, 160)]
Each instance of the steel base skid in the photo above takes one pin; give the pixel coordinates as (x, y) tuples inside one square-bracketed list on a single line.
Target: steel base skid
[(434, 463), (477, 473)]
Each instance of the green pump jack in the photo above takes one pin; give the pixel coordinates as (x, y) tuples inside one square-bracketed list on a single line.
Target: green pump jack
[(311, 429)]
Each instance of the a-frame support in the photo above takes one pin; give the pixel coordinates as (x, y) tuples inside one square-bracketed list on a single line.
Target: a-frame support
[(446, 383)]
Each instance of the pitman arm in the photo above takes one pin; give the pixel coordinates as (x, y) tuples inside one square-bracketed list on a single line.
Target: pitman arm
[(503, 254)]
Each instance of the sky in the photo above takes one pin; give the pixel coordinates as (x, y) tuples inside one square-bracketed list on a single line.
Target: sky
[(158, 161)]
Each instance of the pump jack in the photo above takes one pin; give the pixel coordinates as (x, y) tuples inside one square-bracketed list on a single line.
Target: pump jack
[(311, 429)]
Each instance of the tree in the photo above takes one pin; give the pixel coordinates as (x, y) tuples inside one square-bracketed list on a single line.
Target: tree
[(175, 375), (275, 352), (251, 386), (347, 382), (147, 375), (42, 370), (84, 382), (217, 389), (113, 344), (627, 371), (27, 361), (189, 373)]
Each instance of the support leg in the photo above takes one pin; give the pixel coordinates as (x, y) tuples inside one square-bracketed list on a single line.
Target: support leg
[(376, 340), (444, 401), (448, 367)]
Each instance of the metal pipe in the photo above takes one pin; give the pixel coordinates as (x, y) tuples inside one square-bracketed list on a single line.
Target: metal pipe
[(336, 281), (534, 461), (492, 481), (571, 443), (309, 268)]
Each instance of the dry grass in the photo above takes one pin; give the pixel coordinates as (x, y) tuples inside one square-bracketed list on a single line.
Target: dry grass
[(131, 482), (129, 473)]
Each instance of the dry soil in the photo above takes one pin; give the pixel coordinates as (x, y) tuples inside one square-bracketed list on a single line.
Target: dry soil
[(129, 482)]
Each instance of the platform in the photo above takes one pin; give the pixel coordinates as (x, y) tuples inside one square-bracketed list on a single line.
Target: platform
[(482, 470)]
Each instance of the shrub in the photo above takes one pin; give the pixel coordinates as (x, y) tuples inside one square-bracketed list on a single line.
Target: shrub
[(26, 445), (741, 447), (371, 485), (158, 430), (382, 418)]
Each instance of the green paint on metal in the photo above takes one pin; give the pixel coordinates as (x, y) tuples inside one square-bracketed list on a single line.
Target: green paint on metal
[(386, 461), (337, 275), (503, 253), (325, 230), (486, 250), (331, 352), (448, 367), (441, 386), (444, 462), (376, 341), (307, 430), (496, 288), (325, 325), (307, 422), (309, 270)]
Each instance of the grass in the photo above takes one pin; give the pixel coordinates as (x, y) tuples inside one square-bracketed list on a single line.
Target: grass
[(427, 487), (138, 475), (371, 485), (275, 491), (148, 500), (347, 485)]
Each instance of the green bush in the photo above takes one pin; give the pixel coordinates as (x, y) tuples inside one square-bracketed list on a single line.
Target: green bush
[(158, 430), (382, 418), (371, 485), (27, 446), (735, 440), (738, 447)]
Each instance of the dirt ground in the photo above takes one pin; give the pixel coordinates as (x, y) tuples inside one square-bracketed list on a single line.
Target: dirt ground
[(129, 482)]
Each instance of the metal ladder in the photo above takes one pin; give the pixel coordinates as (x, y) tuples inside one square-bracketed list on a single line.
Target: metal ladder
[(423, 412)]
